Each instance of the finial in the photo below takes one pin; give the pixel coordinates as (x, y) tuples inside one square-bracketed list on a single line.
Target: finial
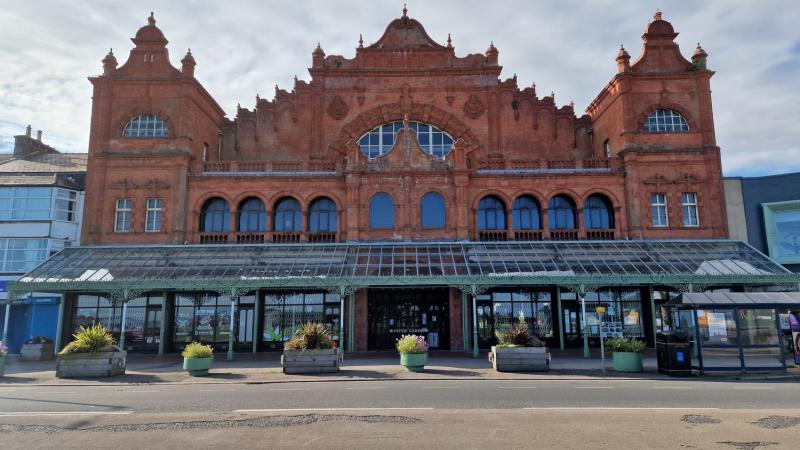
[(449, 41), (572, 104), (553, 94), (405, 10), (657, 15), (622, 52), (151, 20), (111, 51), (360, 41)]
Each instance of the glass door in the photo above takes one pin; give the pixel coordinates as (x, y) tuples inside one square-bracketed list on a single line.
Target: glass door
[(485, 317), (245, 324), (152, 330), (572, 325)]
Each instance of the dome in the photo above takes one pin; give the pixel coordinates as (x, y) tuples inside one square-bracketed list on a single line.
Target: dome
[(150, 34), (660, 27)]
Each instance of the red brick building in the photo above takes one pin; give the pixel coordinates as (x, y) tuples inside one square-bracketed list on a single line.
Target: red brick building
[(408, 142)]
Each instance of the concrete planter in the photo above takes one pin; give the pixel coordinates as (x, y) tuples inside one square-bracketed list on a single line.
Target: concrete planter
[(414, 362), (310, 361), (627, 361), (100, 364), (2, 365), (520, 359), (197, 367), (37, 352)]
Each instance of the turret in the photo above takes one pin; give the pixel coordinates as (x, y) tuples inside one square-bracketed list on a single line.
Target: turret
[(187, 64)]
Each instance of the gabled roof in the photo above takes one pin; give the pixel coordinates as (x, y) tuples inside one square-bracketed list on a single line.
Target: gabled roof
[(45, 163)]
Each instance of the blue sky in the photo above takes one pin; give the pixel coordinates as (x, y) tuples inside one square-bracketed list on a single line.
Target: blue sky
[(48, 48)]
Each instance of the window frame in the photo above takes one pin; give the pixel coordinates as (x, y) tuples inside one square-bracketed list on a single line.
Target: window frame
[(18, 208), (7, 250), (245, 215), (379, 144), (225, 216), (125, 211), (440, 211), (71, 213), (690, 206), (654, 204), (323, 207), (589, 212), (373, 221), (482, 212), (670, 120), (139, 127), (518, 212), (554, 213), (284, 212), (154, 215)]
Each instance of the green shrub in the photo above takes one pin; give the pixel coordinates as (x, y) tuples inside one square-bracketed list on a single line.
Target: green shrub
[(197, 350), (624, 345), (412, 344), (518, 335), (310, 336), (90, 339)]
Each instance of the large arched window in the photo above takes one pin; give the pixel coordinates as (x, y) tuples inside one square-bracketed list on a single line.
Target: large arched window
[(491, 214), (381, 211), (666, 121), (146, 125), (525, 213), (215, 216), (381, 139), (287, 217), (598, 213), (561, 213), (432, 211), (252, 215), (322, 216)]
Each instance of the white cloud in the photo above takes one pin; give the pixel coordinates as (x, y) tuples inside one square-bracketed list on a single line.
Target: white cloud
[(47, 49)]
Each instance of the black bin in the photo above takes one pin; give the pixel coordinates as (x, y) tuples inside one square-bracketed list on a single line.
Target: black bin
[(673, 354)]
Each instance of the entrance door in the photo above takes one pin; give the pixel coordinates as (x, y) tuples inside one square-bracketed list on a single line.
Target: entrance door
[(485, 317), (571, 320), (394, 312), (152, 328), (245, 327)]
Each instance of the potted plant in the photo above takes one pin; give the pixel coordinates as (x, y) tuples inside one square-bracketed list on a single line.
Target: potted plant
[(197, 359), (39, 348), (310, 350), (413, 352), (92, 353), (3, 353), (519, 351), (626, 354)]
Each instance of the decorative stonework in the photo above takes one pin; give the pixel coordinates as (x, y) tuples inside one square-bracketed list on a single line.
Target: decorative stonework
[(474, 107), (155, 184), (337, 108), (125, 184), (657, 179), (688, 178)]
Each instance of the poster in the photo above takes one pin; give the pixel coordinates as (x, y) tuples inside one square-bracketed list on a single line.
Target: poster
[(794, 322), (717, 327)]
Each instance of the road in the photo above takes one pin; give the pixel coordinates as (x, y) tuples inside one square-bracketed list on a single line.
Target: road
[(671, 413)]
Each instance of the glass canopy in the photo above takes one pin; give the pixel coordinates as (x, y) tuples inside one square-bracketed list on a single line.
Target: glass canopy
[(404, 263)]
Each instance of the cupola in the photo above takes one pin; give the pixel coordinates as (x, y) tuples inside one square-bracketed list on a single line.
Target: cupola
[(623, 60), (187, 64), (491, 54), (109, 63)]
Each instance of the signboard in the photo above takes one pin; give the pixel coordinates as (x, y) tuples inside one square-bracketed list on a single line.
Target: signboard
[(794, 322), (612, 329), (717, 327)]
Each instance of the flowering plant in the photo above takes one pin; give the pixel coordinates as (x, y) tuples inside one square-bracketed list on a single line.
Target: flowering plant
[(412, 344), (3, 349)]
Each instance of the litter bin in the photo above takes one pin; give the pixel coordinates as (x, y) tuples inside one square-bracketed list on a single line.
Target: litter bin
[(673, 352)]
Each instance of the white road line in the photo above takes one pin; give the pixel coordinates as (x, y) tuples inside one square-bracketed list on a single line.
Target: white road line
[(621, 408), (49, 392), (753, 388), (327, 409), (594, 387), (671, 387), (64, 413)]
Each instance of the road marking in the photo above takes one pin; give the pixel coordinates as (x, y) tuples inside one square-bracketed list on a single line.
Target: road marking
[(139, 392), (64, 413), (289, 389), (753, 388), (48, 392), (671, 387), (328, 409), (594, 387), (620, 408)]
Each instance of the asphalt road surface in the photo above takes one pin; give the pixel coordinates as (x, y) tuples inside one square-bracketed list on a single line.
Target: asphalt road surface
[(400, 414)]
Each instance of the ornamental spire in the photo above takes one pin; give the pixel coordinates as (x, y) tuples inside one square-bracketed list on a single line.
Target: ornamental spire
[(405, 10)]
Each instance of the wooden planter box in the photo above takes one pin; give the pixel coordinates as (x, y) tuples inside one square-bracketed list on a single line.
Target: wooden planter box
[(310, 361), (100, 364), (520, 359), (37, 352)]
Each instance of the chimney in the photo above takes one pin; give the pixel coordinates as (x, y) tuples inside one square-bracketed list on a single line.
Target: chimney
[(39, 135), (28, 131)]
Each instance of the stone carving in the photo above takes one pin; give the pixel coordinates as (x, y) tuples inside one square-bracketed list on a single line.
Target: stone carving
[(124, 184), (687, 178), (657, 179), (155, 184), (474, 107), (337, 108)]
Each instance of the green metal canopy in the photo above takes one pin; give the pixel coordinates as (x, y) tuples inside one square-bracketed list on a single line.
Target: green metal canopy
[(126, 270)]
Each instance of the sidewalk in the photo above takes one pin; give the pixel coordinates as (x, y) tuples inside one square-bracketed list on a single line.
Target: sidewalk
[(265, 368)]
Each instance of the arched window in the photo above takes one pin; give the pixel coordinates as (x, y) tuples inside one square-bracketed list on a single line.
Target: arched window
[(666, 121), (381, 211), (525, 213), (432, 212), (491, 214), (381, 139), (561, 213), (322, 216), (215, 216), (598, 213), (146, 125), (252, 215), (287, 217)]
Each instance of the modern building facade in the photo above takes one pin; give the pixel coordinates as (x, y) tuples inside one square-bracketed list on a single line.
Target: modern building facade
[(404, 190), (41, 208)]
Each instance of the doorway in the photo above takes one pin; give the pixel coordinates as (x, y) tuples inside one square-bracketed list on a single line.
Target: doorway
[(392, 313), (485, 316), (571, 320)]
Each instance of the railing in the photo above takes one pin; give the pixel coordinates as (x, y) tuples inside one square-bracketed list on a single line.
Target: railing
[(321, 237), (596, 163), (252, 166), (545, 164), (492, 235), (561, 164), (564, 235), (600, 234), (250, 238), (285, 238), (213, 238), (528, 235)]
